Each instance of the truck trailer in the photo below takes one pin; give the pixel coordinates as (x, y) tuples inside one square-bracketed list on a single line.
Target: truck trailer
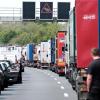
[(45, 54), (53, 54), (30, 54), (36, 56), (84, 35), (60, 54)]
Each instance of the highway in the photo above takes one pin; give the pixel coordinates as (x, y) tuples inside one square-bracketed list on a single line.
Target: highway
[(40, 85)]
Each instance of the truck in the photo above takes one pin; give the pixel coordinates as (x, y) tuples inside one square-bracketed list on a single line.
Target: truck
[(71, 71), (83, 36), (11, 53), (60, 54), (53, 54), (30, 54), (45, 54), (37, 56)]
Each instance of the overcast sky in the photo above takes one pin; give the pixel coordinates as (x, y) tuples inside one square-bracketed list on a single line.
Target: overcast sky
[(18, 3)]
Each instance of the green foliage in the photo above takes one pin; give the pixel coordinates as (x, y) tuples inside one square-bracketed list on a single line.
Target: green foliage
[(27, 32), (7, 36)]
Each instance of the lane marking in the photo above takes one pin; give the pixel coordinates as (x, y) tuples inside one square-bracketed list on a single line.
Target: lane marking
[(55, 78), (59, 82), (62, 87), (66, 95)]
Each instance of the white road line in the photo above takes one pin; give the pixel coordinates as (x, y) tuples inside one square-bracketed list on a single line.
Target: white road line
[(66, 95), (55, 78), (59, 82), (62, 87)]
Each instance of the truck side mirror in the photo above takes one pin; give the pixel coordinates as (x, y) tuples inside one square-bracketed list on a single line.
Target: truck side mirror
[(47, 55), (63, 48), (66, 48)]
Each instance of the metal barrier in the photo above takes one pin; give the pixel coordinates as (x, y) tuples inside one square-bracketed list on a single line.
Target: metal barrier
[(10, 14)]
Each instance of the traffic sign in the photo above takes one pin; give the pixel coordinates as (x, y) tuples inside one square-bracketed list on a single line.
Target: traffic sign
[(28, 10), (63, 10), (46, 10)]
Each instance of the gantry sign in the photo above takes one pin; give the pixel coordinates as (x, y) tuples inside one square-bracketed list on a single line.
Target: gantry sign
[(46, 11), (28, 10), (63, 10)]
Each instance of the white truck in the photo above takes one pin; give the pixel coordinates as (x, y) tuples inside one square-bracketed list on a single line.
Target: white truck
[(36, 56), (45, 54), (11, 53)]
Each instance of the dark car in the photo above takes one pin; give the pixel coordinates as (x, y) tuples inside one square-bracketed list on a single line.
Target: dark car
[(5, 72), (1, 80), (13, 71)]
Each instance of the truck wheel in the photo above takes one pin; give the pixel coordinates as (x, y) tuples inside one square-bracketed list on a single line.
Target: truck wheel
[(82, 95), (78, 91), (78, 96)]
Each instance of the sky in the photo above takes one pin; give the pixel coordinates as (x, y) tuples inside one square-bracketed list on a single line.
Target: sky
[(18, 3)]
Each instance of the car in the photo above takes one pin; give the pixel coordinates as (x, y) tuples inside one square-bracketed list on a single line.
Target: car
[(1, 81), (13, 71), (5, 72)]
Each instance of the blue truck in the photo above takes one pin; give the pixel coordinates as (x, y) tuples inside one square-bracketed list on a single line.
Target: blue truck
[(53, 43), (30, 53)]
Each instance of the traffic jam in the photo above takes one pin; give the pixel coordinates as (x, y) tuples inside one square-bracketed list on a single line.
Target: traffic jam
[(10, 72), (34, 68)]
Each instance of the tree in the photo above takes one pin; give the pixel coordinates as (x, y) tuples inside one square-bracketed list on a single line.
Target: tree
[(27, 32)]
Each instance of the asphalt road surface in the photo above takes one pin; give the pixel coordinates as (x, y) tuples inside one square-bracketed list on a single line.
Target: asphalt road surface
[(40, 85)]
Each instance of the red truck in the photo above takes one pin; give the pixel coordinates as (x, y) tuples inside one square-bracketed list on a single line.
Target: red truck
[(60, 54), (84, 35)]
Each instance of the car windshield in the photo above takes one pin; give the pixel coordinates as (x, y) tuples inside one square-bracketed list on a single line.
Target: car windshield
[(2, 66), (7, 64)]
